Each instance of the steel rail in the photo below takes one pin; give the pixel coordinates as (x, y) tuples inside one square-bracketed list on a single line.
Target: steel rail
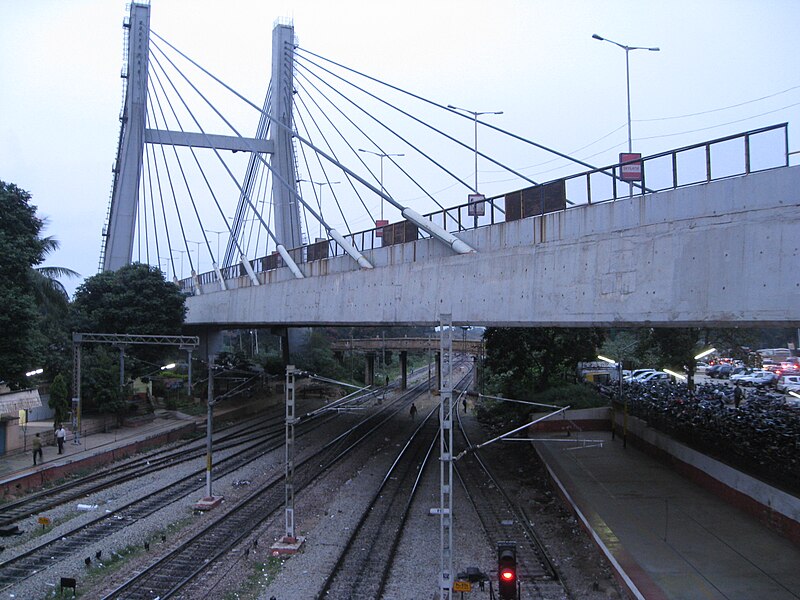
[(364, 564), (122, 473), (49, 553), (186, 563), (502, 519)]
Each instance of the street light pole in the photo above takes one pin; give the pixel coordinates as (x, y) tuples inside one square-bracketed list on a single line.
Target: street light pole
[(475, 115), (198, 253), (622, 400), (182, 253), (218, 234), (380, 155), (321, 184), (627, 83)]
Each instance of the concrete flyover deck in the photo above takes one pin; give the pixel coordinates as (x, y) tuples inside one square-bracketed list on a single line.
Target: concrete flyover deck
[(675, 258), (666, 536)]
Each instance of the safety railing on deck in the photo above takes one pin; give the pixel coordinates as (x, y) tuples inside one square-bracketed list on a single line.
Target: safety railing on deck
[(721, 158)]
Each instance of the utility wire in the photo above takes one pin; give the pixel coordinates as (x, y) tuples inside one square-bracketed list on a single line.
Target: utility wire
[(655, 137), (713, 110), (417, 120), (366, 135)]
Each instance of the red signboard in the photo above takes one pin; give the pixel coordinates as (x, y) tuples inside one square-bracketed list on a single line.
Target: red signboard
[(379, 225), (633, 170)]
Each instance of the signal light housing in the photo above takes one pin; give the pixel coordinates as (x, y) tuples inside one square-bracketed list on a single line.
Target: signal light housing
[(507, 583)]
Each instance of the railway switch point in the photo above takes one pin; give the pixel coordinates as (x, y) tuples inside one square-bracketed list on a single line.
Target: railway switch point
[(287, 546), (208, 503)]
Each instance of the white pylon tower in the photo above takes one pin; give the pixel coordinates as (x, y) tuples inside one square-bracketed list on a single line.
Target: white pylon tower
[(287, 209), (120, 229)]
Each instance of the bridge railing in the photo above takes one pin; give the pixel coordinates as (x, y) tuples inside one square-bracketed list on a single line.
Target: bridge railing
[(720, 158), (730, 156)]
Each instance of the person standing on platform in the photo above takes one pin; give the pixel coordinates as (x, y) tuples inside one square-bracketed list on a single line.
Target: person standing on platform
[(61, 436), (37, 449)]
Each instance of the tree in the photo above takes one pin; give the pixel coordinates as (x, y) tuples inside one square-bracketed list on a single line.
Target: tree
[(53, 339), (135, 299), (525, 361), (59, 398), (21, 248)]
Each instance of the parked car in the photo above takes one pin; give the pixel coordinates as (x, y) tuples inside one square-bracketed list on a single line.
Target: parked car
[(759, 378), (788, 383), (635, 374), (701, 367), (739, 372), (653, 377), (720, 371)]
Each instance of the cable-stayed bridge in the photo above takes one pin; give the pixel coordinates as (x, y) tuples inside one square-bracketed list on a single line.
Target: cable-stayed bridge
[(341, 200)]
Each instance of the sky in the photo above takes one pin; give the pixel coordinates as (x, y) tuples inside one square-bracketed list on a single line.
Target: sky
[(724, 66)]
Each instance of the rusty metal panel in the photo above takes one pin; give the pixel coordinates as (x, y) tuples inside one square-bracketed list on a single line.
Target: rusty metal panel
[(536, 200), (273, 261), (399, 233), (318, 250)]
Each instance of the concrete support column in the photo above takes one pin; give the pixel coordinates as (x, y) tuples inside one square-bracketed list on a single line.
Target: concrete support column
[(403, 369), (369, 369)]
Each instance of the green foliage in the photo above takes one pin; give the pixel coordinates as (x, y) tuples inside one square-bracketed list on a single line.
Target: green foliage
[(135, 299), (100, 383), (59, 399), (21, 248), (521, 362), (317, 357), (574, 395), (273, 364)]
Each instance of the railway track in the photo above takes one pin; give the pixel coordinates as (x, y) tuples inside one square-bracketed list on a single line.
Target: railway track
[(50, 553), (363, 567), (503, 520), (185, 565), (149, 463)]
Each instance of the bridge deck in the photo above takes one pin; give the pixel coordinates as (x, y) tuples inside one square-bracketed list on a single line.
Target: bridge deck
[(717, 254)]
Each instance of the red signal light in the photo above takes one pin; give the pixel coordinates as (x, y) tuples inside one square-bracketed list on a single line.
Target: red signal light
[(507, 575)]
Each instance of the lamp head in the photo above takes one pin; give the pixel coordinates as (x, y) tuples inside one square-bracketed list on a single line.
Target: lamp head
[(597, 37)]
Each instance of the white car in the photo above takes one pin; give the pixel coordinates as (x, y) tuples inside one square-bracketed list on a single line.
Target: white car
[(636, 374), (758, 378), (789, 383), (653, 377), (738, 376)]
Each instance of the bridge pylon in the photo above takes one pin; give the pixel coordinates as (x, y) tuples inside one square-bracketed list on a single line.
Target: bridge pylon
[(277, 122)]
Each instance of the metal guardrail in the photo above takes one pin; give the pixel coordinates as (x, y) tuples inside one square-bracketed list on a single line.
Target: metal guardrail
[(721, 158)]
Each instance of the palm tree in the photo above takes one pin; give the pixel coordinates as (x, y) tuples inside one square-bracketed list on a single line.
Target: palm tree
[(49, 291)]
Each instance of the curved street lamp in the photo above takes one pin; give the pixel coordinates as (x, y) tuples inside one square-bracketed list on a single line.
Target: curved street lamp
[(628, 83)]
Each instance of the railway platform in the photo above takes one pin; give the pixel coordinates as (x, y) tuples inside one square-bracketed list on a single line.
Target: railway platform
[(17, 471), (666, 536), (101, 446)]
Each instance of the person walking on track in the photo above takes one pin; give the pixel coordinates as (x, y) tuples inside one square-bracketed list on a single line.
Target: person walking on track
[(413, 411)]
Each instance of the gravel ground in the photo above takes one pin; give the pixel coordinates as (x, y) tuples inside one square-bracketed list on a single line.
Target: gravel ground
[(325, 516)]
